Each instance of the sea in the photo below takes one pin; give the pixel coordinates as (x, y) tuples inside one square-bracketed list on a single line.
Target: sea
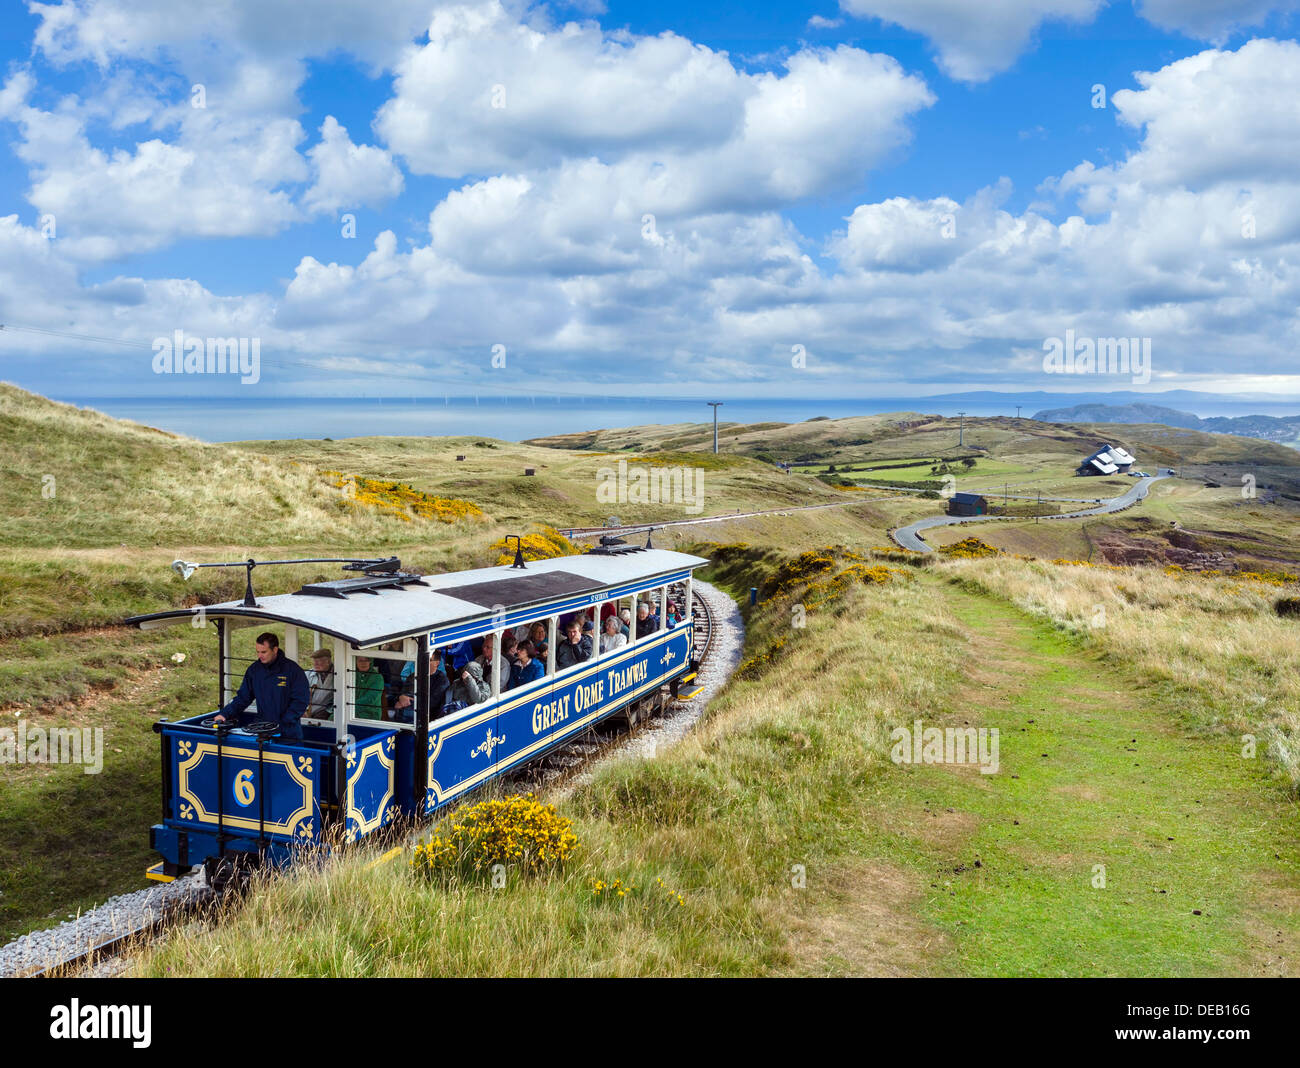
[(511, 418)]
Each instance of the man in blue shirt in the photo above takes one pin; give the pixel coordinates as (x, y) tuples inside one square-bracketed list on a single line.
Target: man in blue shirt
[(277, 684)]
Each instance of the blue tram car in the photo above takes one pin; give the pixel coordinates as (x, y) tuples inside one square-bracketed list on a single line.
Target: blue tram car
[(233, 796)]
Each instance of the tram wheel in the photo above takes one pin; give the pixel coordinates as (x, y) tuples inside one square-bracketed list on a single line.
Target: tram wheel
[(226, 874)]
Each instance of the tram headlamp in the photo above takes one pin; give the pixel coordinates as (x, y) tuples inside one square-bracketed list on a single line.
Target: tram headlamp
[(183, 568)]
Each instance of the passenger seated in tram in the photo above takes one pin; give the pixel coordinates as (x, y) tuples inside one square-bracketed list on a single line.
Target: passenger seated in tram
[(613, 637), (625, 620), (484, 661), (576, 646), (537, 634), (320, 682), (367, 690), (470, 688), (645, 622), (403, 710), (526, 669)]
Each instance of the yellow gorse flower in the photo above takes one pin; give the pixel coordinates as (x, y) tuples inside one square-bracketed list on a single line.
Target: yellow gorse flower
[(539, 545), (520, 832), (401, 501)]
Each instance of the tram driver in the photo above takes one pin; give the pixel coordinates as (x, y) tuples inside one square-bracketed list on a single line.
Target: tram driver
[(277, 684)]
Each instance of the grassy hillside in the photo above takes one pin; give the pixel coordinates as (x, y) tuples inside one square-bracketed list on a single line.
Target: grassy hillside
[(1018, 457), (566, 487), (74, 478), (902, 435), (779, 838), (93, 543), (127, 499)]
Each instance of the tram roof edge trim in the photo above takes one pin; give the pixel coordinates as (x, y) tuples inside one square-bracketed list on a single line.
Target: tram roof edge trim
[(365, 619)]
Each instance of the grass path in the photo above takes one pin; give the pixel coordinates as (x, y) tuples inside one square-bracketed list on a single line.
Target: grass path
[(975, 874)]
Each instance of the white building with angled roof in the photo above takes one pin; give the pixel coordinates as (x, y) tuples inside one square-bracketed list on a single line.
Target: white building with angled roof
[(1108, 460)]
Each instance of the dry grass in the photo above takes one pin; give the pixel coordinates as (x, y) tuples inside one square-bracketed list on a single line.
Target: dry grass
[(72, 478), (707, 832), (1214, 639)]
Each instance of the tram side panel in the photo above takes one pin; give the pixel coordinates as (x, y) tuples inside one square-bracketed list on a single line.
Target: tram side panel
[(230, 788), (373, 761), (467, 752)]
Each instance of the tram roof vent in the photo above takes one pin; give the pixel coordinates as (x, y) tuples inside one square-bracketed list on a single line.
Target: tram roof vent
[(368, 584)]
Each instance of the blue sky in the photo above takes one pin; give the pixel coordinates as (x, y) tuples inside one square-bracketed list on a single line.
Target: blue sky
[(672, 197)]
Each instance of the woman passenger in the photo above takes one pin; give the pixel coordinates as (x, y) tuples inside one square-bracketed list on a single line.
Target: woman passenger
[(526, 669), (613, 638), (537, 634)]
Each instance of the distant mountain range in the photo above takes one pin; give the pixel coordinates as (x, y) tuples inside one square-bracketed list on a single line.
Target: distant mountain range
[(1285, 430)]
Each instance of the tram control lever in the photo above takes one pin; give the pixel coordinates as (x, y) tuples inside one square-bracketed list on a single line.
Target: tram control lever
[(261, 728)]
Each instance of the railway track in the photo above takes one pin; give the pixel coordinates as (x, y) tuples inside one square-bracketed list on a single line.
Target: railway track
[(553, 771), (85, 952)]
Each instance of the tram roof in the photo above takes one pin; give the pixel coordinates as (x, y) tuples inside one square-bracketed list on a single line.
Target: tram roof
[(368, 617)]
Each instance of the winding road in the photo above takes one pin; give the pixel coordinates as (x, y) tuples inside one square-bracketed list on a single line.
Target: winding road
[(909, 536)]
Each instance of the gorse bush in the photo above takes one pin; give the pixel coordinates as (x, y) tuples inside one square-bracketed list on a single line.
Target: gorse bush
[(519, 832), (969, 549), (399, 500), (539, 545)]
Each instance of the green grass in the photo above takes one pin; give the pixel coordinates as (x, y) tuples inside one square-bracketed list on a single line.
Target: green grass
[(1094, 772), (69, 839), (921, 472)]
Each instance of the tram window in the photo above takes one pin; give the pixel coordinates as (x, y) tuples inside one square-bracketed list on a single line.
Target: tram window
[(366, 689), (400, 696), (320, 683), (677, 599), (574, 646), (243, 653), (466, 683), (470, 685), (396, 673), (612, 637)]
